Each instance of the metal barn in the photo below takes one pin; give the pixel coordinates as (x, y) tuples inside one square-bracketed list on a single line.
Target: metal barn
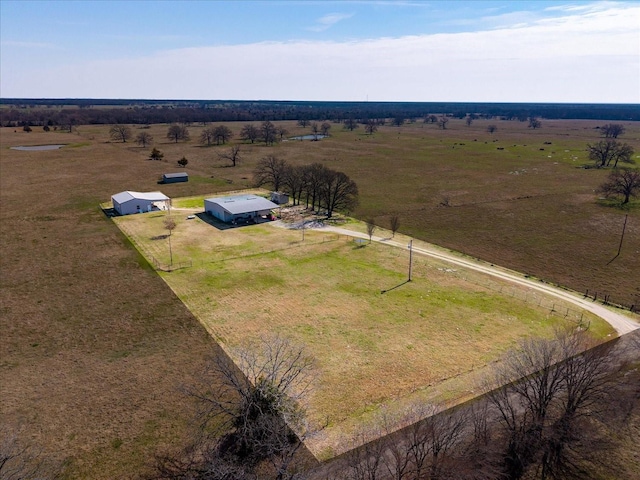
[(238, 207), (126, 203)]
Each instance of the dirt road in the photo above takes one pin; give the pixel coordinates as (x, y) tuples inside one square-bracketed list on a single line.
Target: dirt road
[(620, 322)]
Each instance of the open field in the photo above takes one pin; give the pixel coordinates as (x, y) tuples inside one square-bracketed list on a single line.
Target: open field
[(419, 342), (94, 344)]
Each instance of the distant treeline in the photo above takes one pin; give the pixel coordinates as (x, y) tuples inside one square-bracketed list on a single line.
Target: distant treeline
[(40, 112)]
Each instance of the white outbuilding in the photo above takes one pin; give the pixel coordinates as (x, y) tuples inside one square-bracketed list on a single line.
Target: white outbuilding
[(125, 203), (239, 208)]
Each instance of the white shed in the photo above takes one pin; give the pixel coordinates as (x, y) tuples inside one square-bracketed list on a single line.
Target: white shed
[(238, 207), (128, 202)]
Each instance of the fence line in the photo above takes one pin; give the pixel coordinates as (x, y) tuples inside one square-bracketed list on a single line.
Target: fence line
[(555, 307)]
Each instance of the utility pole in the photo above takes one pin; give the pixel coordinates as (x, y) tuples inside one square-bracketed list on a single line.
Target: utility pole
[(410, 258)]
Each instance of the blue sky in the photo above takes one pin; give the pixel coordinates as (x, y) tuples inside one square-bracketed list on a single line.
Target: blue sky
[(495, 51)]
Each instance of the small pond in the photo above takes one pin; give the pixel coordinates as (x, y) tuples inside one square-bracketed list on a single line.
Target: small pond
[(37, 148), (309, 137)]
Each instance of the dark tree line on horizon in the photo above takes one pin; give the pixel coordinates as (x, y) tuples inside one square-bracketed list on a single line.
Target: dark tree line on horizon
[(41, 112)]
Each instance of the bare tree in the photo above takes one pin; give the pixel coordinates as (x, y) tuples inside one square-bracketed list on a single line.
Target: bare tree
[(394, 224), (207, 136), (549, 387), (304, 122), (282, 132), (250, 133), (338, 192), (442, 122), (623, 181), (177, 133), (233, 155), (256, 406), (324, 128), (612, 130), (268, 133), (609, 151), (350, 124), (534, 123), (120, 132), (19, 461), (143, 139), (169, 225), (370, 127), (492, 128), (270, 170), (222, 134), (295, 182), (183, 162), (468, 120), (313, 178), (371, 228), (315, 130), (397, 121)]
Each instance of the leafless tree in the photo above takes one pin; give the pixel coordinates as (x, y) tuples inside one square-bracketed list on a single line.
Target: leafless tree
[(143, 139), (468, 120), (222, 134), (397, 121), (170, 226), (350, 124), (612, 130), (250, 133), (313, 178), (233, 155), (207, 136), (609, 151), (621, 181), (282, 132), (295, 182), (270, 170), (304, 122), (442, 122), (255, 407), (534, 123), (324, 128), (19, 461), (549, 387), (394, 224), (178, 133), (365, 462), (120, 132), (371, 228), (370, 127), (315, 130), (183, 162), (338, 192), (268, 133), (492, 128)]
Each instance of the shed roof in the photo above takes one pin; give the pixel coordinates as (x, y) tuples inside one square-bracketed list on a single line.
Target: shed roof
[(176, 175), (148, 196), (238, 204)]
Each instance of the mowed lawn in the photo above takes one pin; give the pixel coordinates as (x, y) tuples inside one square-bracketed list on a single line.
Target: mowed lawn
[(372, 349)]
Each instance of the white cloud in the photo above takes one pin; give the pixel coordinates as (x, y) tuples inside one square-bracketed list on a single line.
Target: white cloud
[(326, 22), (591, 57)]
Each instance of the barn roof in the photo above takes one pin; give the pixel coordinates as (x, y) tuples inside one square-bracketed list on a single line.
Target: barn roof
[(238, 204), (148, 196)]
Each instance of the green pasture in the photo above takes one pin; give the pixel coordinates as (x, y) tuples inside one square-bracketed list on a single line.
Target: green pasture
[(372, 349)]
